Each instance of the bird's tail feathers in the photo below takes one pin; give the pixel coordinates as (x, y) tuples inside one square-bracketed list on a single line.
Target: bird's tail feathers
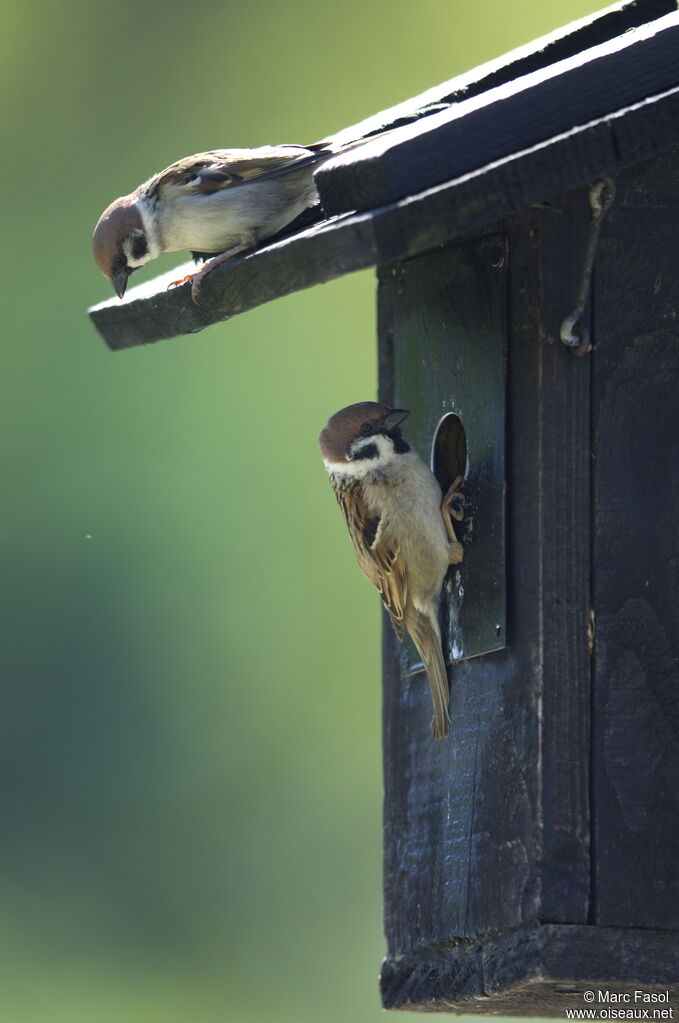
[(339, 144), (371, 129), (426, 638)]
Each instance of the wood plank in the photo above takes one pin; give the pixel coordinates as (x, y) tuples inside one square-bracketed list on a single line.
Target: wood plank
[(549, 519), (636, 384), (563, 466), (501, 121), (437, 216)]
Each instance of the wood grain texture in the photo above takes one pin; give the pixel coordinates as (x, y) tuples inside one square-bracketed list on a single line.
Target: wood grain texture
[(563, 492), (636, 410)]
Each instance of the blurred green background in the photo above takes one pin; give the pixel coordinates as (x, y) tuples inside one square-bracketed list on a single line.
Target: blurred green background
[(191, 725)]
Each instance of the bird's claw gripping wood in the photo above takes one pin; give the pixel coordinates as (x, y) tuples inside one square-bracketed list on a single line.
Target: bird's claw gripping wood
[(223, 257), (452, 508), (455, 552), (182, 280), (197, 278), (454, 499)]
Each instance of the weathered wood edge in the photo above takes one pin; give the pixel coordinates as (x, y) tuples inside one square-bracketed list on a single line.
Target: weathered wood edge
[(510, 118), (406, 228), (548, 966)]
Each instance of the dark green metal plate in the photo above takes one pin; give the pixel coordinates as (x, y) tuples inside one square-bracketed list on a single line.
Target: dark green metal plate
[(449, 321)]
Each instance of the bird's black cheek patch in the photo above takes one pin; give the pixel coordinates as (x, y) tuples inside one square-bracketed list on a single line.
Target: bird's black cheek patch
[(369, 451), (139, 246)]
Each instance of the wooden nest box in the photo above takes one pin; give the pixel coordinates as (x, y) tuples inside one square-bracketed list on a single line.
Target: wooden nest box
[(524, 222)]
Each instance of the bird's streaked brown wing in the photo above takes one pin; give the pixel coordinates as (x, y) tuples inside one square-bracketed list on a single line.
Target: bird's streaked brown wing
[(205, 173), (377, 552)]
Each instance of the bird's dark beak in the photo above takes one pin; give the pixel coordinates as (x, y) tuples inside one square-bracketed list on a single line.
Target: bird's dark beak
[(119, 280), (393, 417)]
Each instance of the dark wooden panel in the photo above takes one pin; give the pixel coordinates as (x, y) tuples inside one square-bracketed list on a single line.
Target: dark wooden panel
[(460, 815), (502, 122), (636, 404), (490, 830), (562, 491), (450, 338), (549, 481)]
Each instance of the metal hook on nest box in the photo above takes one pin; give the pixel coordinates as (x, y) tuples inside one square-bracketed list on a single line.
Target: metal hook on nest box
[(601, 196)]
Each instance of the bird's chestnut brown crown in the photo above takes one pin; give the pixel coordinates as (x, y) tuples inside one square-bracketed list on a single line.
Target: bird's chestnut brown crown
[(119, 232), (364, 419)]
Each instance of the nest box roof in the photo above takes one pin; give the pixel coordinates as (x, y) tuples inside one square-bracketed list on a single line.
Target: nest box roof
[(582, 102)]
